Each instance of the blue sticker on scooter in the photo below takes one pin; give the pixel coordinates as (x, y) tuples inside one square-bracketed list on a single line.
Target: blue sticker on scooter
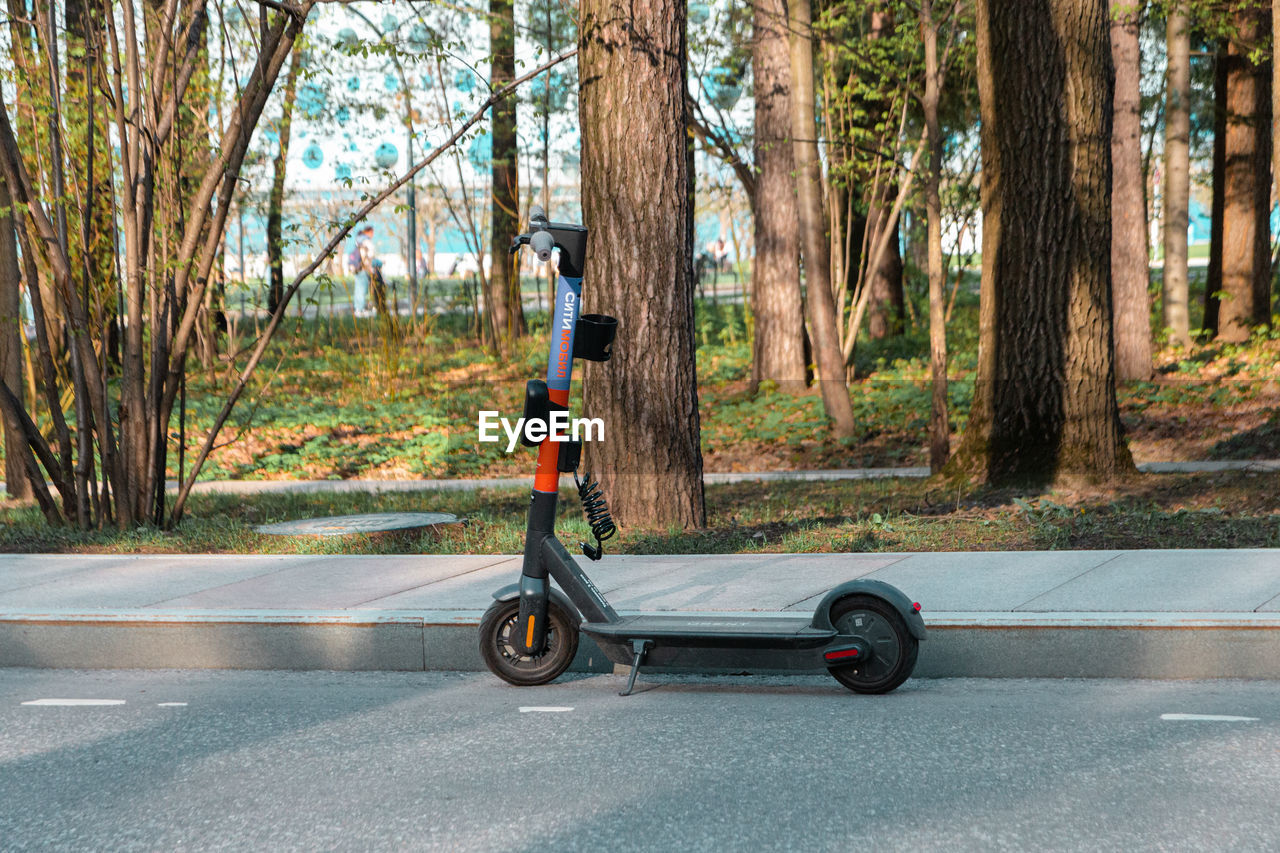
[(563, 325)]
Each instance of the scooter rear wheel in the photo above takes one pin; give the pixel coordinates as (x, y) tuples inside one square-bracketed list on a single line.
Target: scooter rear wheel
[(882, 628), (505, 661)]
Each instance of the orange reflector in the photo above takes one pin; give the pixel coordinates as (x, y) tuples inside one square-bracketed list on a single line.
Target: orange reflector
[(528, 634)]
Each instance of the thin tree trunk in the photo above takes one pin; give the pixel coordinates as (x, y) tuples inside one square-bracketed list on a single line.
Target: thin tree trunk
[(636, 199), (885, 303), (90, 156), (1245, 284), (15, 474), (1045, 404), (1217, 204), (504, 220), (819, 301), (1129, 272), (546, 157), (777, 303), (279, 165), (1177, 180), (60, 472), (939, 429), (1275, 112)]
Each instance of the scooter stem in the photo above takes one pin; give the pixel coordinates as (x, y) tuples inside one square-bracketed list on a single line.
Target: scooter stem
[(530, 630)]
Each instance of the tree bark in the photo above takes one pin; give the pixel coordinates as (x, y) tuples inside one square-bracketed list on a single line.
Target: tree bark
[(1045, 405), (279, 166), (885, 307), (637, 202), (1129, 265), (819, 301), (939, 427), (1243, 274), (1213, 276), (886, 299), (504, 218), (1275, 106), (15, 474), (1177, 179), (778, 348)]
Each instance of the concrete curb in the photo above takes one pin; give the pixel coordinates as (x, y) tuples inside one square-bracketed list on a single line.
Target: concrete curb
[(984, 645)]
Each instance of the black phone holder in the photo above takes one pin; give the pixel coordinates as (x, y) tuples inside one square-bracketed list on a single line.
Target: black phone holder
[(593, 337), (569, 456), (537, 404)]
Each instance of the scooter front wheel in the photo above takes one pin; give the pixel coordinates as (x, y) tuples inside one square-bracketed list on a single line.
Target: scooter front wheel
[(893, 650), (505, 661)]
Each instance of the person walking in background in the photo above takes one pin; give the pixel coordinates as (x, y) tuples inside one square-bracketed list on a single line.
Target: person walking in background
[(720, 251), (361, 263)]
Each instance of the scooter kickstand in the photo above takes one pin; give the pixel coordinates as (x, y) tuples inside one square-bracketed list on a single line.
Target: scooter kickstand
[(639, 647)]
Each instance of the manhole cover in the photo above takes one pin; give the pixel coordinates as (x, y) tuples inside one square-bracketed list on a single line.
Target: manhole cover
[(343, 525)]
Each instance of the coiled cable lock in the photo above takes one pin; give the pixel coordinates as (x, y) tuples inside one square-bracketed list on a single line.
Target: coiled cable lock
[(597, 511)]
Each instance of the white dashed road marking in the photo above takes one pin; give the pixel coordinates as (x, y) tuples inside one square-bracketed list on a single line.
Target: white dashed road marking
[(74, 702), (1213, 718), (544, 709), (171, 704)]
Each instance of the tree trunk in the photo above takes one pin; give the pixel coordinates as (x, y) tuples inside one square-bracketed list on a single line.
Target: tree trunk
[(1275, 107), (1244, 251), (885, 300), (1129, 265), (1045, 404), (15, 475), (1213, 276), (778, 348), (1177, 180), (95, 257), (636, 200), (885, 304), (939, 428), (819, 301), (504, 222), (275, 201)]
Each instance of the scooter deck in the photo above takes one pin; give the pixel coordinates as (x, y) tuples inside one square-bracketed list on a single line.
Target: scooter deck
[(764, 632)]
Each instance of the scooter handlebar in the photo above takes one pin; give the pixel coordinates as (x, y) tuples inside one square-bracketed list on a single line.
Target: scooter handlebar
[(542, 243)]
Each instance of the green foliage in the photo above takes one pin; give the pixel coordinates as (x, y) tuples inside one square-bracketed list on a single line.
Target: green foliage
[(872, 76)]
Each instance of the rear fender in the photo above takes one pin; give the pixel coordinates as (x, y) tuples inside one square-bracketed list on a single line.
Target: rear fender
[(888, 593)]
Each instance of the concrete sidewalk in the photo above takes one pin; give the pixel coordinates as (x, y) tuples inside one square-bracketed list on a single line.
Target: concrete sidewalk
[(1159, 614)]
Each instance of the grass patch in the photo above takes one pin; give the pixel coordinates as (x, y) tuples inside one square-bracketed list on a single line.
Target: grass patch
[(334, 399), (1227, 510)]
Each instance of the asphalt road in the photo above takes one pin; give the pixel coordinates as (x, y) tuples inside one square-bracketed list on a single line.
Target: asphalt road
[(354, 761)]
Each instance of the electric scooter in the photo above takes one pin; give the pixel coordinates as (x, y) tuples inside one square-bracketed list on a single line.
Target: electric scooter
[(866, 633)]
